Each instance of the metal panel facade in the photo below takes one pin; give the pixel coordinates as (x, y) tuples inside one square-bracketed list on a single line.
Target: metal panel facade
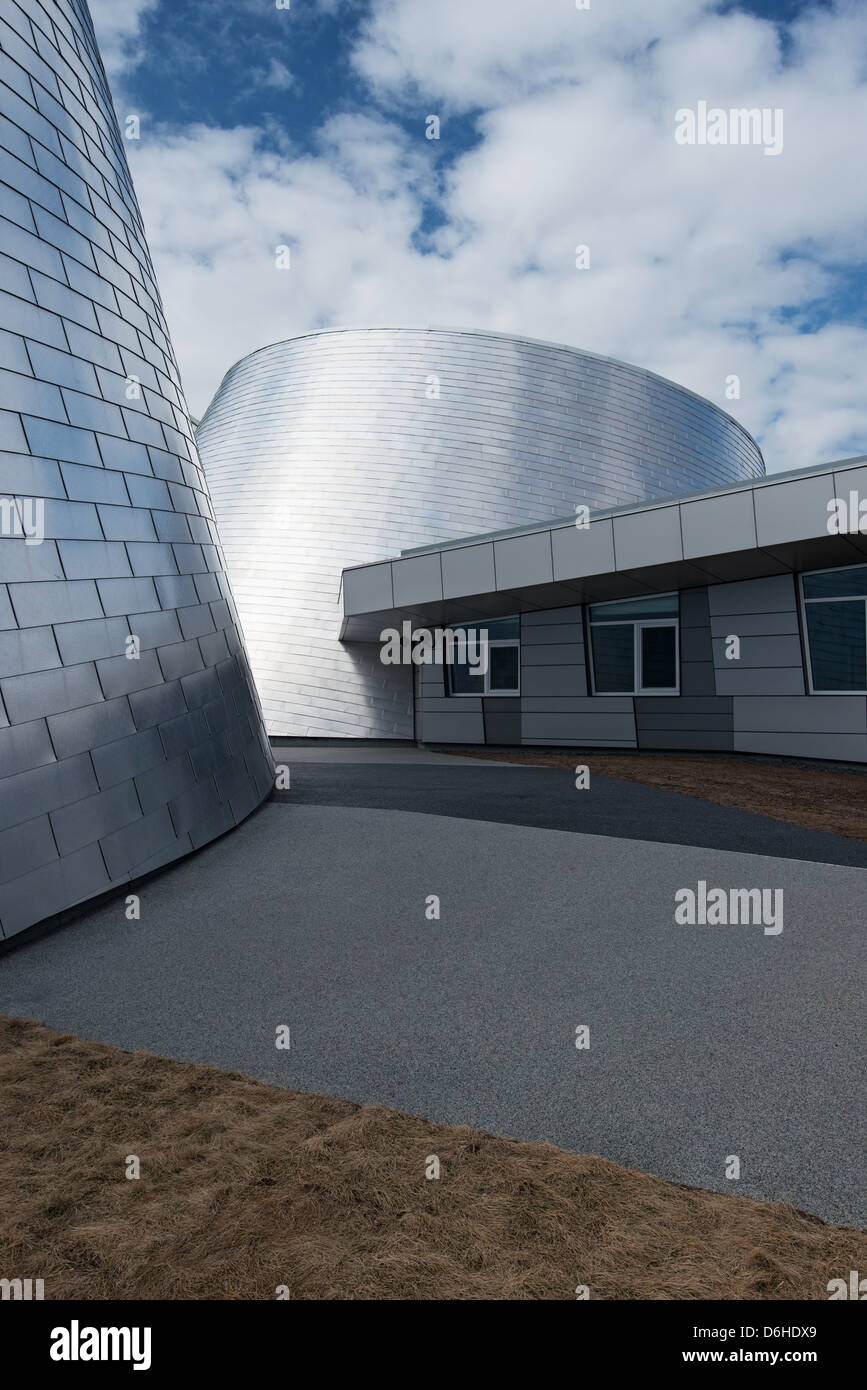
[(110, 764), (749, 696), (345, 447)]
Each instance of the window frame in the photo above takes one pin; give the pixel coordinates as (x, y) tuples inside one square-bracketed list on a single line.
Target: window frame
[(637, 625), (486, 693), (850, 598)]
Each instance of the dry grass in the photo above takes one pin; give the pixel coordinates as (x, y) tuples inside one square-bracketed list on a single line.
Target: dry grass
[(813, 797), (245, 1187)]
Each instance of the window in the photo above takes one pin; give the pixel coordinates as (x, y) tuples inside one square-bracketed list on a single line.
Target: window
[(500, 640), (634, 646), (835, 628)]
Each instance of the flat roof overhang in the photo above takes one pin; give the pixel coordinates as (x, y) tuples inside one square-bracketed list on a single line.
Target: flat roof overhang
[(776, 525)]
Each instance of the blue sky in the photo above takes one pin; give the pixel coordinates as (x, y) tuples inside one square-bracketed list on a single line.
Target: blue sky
[(228, 63), (264, 127)]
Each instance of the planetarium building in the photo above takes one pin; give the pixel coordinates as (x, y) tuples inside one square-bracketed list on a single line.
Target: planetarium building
[(343, 447), (130, 732), (641, 584)]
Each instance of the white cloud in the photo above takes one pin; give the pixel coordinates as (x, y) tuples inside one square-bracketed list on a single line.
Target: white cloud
[(340, 213), (490, 52), (704, 260), (275, 75), (118, 25)]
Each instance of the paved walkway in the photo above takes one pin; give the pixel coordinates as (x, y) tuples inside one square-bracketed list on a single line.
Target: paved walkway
[(514, 794), (705, 1041)]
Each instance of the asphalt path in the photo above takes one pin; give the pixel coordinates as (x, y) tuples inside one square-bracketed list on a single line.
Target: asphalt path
[(705, 1041), (515, 794)]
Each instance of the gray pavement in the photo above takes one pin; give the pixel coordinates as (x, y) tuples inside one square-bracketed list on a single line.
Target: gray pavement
[(412, 780), (705, 1041), (366, 754)]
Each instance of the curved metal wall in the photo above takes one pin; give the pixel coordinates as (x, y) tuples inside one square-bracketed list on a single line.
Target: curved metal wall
[(347, 446), (109, 765)]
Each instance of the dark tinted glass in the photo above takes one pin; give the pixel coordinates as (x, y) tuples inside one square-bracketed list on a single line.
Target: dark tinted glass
[(658, 606), (464, 681), (836, 583), (613, 658), (836, 634), (658, 658), (504, 668), (498, 629)]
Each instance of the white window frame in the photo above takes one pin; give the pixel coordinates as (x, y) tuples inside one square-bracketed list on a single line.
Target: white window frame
[(849, 598), (636, 623), (487, 693)]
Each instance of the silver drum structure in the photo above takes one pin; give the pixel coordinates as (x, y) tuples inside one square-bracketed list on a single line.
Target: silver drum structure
[(130, 732), (341, 447)]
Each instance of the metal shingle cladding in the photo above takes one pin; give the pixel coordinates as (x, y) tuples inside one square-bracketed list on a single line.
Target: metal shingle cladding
[(324, 451), (108, 766)]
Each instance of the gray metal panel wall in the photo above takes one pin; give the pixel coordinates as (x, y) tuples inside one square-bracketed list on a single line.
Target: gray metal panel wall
[(464, 719), (763, 614), (326, 451), (554, 708), (109, 766), (806, 726), (697, 718), (683, 721), (449, 719), (696, 648)]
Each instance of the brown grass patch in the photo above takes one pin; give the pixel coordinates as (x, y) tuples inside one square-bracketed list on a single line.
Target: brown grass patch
[(812, 797), (245, 1187)]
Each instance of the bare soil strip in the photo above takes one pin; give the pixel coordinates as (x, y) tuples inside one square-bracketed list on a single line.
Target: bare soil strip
[(246, 1187), (815, 798)]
